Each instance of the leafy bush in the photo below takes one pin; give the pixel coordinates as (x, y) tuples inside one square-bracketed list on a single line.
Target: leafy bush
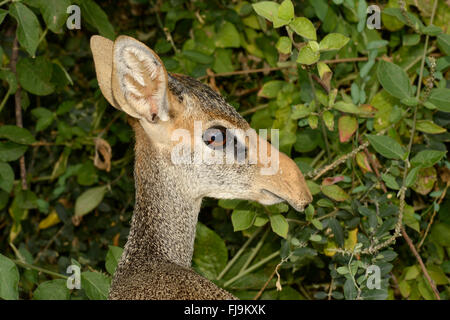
[(363, 112)]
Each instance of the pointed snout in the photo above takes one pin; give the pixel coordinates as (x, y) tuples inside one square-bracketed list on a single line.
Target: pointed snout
[(287, 183), (292, 184)]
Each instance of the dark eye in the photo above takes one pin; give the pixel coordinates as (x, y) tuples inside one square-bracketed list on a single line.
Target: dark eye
[(215, 137)]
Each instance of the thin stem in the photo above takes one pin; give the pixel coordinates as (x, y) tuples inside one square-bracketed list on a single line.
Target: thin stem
[(432, 217), (18, 109), (4, 2), (422, 265), (5, 98), (254, 267), (30, 266), (255, 251), (239, 253), (251, 110), (322, 124)]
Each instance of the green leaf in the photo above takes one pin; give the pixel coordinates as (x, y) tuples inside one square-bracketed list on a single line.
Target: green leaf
[(347, 126), (337, 230), (16, 134), (313, 121), (223, 61), (9, 77), (350, 292), (279, 225), (198, 56), (387, 147), (346, 107), (9, 279), (267, 9), (432, 30), (210, 252), (270, 89), (300, 111), (286, 10), (443, 42), (95, 284), (52, 290), (374, 294), (28, 28), (229, 203), (394, 79), (410, 101), (242, 219), (342, 270), (228, 36), (411, 273), (315, 237), (308, 55), (34, 75), (328, 119), (390, 181), (334, 192), (3, 14), (10, 151), (412, 176), (89, 200), (54, 13), (45, 118), (284, 45), (96, 17), (112, 259), (304, 27), (317, 224), (428, 126), (437, 275), (427, 158), (333, 41), (440, 97)]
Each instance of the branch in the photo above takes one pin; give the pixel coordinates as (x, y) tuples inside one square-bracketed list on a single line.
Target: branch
[(18, 103), (422, 266)]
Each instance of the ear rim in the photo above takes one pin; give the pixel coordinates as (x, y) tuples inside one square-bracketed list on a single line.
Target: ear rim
[(102, 52), (118, 93)]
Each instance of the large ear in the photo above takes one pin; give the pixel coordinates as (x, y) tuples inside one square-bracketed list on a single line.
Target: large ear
[(139, 80), (102, 50)]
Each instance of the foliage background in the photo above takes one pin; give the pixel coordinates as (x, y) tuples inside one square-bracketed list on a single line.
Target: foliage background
[(66, 178)]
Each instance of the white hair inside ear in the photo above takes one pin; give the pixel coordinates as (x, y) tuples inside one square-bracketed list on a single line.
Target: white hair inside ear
[(139, 80)]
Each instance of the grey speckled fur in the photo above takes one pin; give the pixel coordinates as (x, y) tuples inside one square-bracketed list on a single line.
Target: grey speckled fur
[(157, 257)]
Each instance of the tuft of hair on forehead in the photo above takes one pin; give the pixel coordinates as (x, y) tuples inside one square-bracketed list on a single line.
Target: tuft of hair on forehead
[(207, 99)]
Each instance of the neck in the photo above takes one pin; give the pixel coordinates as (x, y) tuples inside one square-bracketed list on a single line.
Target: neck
[(165, 214)]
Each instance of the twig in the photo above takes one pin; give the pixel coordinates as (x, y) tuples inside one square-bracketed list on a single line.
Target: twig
[(318, 173), (255, 250), (293, 65), (330, 291), (238, 254), (164, 29), (254, 109), (49, 243), (30, 266), (260, 292), (432, 218), (422, 266), (253, 267), (18, 103), (322, 123), (239, 72)]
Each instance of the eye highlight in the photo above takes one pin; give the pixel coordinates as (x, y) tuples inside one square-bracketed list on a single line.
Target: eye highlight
[(219, 138), (215, 137)]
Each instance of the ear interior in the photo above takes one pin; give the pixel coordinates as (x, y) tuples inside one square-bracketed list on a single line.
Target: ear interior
[(139, 80), (102, 51)]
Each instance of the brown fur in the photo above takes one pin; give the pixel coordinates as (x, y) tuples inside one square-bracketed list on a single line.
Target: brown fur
[(157, 256)]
